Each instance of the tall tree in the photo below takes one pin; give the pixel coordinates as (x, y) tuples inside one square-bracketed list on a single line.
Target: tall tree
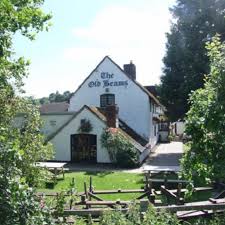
[(204, 159), (20, 147), (186, 61)]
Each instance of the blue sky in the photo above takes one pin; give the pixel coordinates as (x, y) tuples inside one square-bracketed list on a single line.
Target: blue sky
[(84, 31)]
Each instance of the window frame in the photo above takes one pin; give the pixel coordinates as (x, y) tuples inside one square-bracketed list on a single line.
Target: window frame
[(107, 100)]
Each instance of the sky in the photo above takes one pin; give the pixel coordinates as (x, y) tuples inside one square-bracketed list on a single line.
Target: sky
[(84, 31)]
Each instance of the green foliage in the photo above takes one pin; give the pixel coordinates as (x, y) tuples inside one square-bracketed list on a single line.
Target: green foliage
[(115, 218), (24, 17), (31, 143), (159, 218), (216, 220), (60, 204), (186, 61), (204, 158), (85, 126), (19, 204), (152, 217), (20, 147), (120, 150), (133, 217), (53, 97)]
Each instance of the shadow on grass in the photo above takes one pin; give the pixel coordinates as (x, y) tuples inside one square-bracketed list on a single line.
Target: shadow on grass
[(49, 185), (98, 173), (141, 180)]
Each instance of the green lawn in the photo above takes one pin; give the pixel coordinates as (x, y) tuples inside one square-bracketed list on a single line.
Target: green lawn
[(101, 181), (110, 181)]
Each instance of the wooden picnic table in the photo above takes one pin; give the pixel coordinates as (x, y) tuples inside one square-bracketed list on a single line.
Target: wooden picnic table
[(56, 168)]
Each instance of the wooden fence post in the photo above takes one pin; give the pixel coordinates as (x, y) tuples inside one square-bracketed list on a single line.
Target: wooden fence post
[(165, 180), (90, 187), (86, 193), (179, 199)]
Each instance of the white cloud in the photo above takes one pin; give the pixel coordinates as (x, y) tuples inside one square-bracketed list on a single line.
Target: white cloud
[(125, 33), (128, 30)]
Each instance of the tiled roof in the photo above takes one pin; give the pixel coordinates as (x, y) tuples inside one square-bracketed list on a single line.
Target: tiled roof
[(98, 112), (124, 127), (56, 107), (130, 134), (128, 130), (94, 110), (152, 89), (128, 137)]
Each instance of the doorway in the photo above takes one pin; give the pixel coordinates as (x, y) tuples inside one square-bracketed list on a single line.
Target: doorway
[(83, 147)]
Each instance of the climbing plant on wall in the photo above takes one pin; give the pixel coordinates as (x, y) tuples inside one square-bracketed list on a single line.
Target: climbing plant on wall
[(85, 126), (120, 149)]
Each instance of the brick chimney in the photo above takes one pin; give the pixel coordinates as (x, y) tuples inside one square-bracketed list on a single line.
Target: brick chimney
[(130, 70), (111, 113)]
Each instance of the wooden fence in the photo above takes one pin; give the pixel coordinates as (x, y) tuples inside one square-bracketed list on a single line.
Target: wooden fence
[(91, 202)]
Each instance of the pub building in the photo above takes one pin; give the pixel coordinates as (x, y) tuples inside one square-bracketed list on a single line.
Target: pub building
[(109, 97)]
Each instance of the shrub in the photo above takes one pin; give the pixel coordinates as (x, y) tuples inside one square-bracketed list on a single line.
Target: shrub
[(133, 217), (120, 149), (216, 220)]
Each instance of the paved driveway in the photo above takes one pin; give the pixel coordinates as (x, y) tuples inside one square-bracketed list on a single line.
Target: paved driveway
[(165, 157)]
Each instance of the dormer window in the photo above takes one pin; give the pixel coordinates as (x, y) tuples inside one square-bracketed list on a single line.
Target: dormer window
[(107, 99)]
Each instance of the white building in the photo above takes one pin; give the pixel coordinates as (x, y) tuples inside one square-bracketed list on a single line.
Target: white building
[(136, 114)]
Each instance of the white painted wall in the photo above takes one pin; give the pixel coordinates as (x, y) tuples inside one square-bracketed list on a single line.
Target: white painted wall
[(154, 138), (177, 128), (133, 103), (143, 155), (61, 141), (180, 127), (48, 127), (52, 122)]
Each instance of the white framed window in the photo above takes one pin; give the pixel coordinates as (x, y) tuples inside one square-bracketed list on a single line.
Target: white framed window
[(107, 99)]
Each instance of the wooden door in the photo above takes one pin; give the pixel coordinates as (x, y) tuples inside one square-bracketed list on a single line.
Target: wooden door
[(83, 147)]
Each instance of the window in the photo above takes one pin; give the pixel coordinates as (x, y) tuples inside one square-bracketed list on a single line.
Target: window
[(82, 121), (52, 122), (107, 99)]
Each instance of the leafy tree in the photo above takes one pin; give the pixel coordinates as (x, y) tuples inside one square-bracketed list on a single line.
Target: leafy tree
[(204, 159), (186, 61), (43, 100), (18, 202), (55, 97), (20, 147)]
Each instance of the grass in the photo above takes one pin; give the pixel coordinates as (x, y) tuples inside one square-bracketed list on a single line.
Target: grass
[(113, 180), (101, 181)]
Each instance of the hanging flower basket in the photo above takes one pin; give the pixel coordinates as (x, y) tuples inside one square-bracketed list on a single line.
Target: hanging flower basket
[(85, 126)]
